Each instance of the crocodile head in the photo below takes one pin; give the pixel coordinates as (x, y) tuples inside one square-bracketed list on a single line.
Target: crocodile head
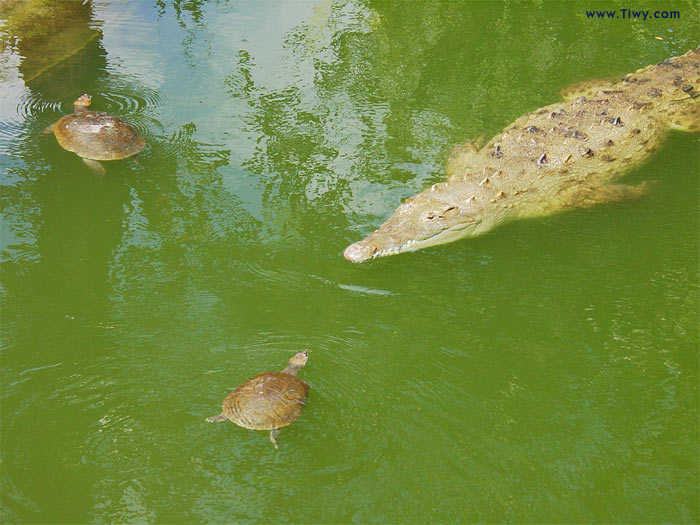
[(439, 215)]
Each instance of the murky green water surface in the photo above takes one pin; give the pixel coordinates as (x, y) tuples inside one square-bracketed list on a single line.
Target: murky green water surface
[(546, 372)]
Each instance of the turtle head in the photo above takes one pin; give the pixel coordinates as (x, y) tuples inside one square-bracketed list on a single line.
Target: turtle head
[(82, 102), (299, 359), (296, 362)]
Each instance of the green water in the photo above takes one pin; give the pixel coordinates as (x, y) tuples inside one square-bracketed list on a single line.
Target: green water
[(545, 372)]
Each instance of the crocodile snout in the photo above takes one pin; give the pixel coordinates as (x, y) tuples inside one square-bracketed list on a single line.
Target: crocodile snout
[(359, 252)]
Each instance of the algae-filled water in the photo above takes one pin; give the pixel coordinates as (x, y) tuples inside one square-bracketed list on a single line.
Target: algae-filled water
[(544, 372)]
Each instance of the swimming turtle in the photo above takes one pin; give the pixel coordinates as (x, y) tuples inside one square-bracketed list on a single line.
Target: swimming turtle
[(268, 401), (96, 135)]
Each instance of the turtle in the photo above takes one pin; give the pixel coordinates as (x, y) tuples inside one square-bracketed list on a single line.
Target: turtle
[(268, 401), (96, 135)]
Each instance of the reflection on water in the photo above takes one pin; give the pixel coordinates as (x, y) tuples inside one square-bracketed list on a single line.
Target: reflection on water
[(45, 33), (546, 373)]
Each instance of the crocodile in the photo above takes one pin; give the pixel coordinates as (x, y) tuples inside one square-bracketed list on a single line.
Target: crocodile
[(563, 156)]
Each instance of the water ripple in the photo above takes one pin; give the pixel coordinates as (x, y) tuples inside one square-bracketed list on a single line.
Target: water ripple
[(32, 105), (123, 103)]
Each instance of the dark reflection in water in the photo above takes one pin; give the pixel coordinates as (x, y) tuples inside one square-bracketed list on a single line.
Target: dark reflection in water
[(46, 33), (53, 41)]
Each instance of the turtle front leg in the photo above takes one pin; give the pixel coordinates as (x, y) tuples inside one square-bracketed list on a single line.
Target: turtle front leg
[(217, 419), (96, 167), (273, 437)]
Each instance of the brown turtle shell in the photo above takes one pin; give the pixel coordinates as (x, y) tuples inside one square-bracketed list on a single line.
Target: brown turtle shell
[(267, 401), (98, 136)]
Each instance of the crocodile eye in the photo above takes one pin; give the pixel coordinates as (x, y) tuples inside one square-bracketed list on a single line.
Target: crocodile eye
[(429, 216)]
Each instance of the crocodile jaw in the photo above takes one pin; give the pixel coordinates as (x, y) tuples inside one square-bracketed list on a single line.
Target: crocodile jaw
[(363, 250), (375, 246)]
